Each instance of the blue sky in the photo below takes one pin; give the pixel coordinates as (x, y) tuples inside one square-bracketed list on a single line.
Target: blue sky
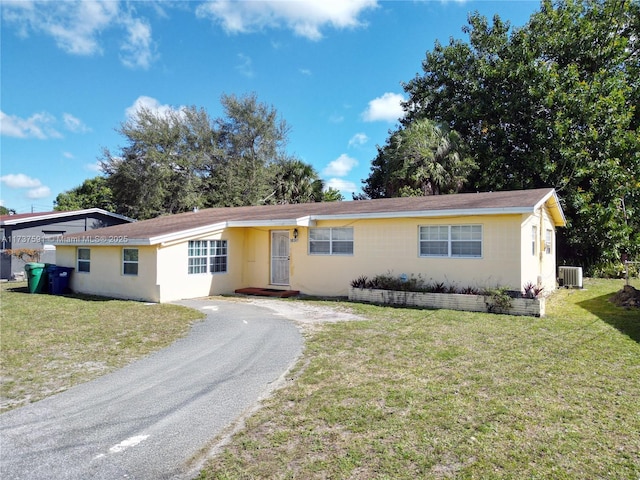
[(73, 71)]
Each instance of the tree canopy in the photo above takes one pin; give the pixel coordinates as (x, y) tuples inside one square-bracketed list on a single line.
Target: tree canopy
[(554, 103), (93, 193), (422, 158), (6, 211), (183, 159)]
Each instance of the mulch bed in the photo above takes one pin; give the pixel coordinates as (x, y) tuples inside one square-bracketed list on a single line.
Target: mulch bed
[(628, 297)]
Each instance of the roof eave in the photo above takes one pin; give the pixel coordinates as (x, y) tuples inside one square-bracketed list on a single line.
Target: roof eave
[(191, 232), (63, 214), (427, 213), (284, 222), (552, 202)]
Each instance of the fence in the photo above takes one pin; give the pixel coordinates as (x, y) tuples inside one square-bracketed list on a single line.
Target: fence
[(626, 269)]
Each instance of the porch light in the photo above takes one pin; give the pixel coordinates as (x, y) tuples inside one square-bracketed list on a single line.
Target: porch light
[(295, 233)]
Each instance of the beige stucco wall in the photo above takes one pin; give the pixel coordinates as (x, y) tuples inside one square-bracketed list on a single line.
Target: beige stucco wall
[(175, 281), (256, 262), (106, 277), (538, 267), (392, 245)]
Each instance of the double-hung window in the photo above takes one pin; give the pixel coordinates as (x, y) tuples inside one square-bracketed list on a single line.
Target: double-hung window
[(451, 241), (207, 256), (534, 240), (434, 241), (548, 239), (130, 261), (218, 256), (198, 256), (84, 260), (466, 240), (331, 241)]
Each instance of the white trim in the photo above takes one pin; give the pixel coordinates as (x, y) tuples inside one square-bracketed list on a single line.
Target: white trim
[(428, 213), (331, 241), (207, 255), (185, 234), (556, 200), (226, 256), (450, 241), (285, 222), (69, 213), (273, 259), (78, 260), (124, 262), (305, 221)]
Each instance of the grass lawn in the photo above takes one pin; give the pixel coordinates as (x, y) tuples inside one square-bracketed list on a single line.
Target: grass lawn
[(49, 343), (412, 394)]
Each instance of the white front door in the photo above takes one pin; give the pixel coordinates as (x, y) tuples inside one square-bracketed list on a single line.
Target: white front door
[(280, 257)]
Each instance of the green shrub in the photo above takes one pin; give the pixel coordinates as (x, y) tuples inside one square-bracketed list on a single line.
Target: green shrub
[(415, 283), (613, 270)]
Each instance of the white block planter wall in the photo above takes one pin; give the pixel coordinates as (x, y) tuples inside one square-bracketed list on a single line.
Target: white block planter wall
[(532, 307)]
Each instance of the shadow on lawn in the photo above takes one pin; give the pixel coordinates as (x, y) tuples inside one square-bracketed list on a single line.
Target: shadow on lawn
[(78, 296), (626, 320)]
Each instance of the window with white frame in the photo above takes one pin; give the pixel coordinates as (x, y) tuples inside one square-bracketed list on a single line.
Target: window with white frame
[(534, 239), (548, 239), (331, 241), (207, 256), (451, 241), (218, 256), (130, 261), (197, 256), (84, 260), (434, 241)]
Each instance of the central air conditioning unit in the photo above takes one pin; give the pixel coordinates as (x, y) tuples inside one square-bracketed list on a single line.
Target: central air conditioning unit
[(570, 277)]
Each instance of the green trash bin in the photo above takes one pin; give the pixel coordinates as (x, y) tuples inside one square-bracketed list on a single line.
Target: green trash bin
[(36, 277)]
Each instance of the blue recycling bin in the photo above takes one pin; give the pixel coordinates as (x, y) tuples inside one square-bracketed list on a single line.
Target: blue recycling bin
[(59, 279)]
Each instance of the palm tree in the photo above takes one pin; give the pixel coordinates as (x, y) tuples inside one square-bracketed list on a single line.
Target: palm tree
[(422, 158), (294, 182), (433, 155)]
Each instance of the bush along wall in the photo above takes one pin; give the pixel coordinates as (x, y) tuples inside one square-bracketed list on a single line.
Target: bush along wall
[(389, 290)]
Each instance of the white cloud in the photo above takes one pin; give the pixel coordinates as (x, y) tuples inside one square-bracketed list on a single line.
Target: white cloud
[(74, 124), (305, 71), (151, 104), (386, 108), (137, 50), (93, 167), (37, 125), (68, 155), (20, 180), (305, 19), (245, 67), (39, 192), (341, 166), (76, 26), (358, 139), (344, 186)]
